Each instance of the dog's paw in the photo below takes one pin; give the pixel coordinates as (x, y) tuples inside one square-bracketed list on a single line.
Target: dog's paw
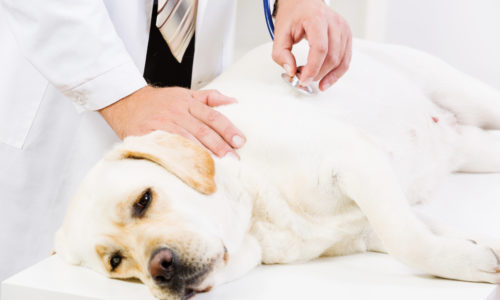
[(490, 268), (467, 260)]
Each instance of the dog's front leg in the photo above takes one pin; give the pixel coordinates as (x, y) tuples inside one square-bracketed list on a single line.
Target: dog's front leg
[(365, 175), (240, 262)]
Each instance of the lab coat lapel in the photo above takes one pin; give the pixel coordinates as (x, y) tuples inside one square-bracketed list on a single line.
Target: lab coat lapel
[(213, 45)]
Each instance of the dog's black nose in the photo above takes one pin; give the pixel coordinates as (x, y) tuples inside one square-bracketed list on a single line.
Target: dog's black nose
[(162, 265)]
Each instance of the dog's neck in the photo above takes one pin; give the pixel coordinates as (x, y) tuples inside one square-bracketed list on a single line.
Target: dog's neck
[(237, 202)]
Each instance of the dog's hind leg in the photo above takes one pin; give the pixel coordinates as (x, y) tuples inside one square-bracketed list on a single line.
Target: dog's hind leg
[(472, 101), (478, 150), (440, 229), (365, 175), (373, 243)]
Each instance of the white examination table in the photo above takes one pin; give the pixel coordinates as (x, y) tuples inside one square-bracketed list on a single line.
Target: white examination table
[(467, 201)]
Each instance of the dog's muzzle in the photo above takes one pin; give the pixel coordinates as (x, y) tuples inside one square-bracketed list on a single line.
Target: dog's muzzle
[(169, 272)]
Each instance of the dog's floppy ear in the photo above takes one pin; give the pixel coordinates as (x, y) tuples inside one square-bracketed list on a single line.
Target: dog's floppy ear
[(62, 248), (184, 158)]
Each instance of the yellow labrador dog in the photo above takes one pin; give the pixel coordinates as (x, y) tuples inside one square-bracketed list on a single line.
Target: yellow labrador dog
[(327, 175)]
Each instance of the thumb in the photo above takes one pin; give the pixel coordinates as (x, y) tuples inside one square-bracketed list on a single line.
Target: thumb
[(282, 53)]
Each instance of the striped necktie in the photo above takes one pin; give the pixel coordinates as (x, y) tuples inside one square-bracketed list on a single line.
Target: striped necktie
[(176, 22)]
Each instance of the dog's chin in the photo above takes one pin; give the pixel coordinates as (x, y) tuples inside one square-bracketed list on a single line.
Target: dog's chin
[(188, 291), (191, 292), (208, 279)]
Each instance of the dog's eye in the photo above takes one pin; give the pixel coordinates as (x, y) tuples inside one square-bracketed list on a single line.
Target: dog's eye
[(141, 205), (115, 261)]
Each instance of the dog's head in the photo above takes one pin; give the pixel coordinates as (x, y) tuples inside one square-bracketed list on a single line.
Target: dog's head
[(150, 210)]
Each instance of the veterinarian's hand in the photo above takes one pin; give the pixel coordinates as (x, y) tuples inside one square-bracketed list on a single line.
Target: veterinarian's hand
[(328, 34), (176, 110)]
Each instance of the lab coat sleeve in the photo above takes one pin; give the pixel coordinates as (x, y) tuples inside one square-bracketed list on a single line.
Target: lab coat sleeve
[(75, 46)]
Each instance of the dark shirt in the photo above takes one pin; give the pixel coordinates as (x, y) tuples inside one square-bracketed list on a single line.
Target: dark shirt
[(162, 69)]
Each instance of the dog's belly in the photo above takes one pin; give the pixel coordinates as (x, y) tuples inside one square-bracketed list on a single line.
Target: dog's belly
[(418, 136), (299, 212)]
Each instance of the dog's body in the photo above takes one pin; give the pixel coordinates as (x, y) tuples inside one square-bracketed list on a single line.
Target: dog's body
[(327, 175)]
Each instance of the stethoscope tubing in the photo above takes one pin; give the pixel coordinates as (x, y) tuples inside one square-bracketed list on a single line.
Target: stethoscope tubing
[(269, 18)]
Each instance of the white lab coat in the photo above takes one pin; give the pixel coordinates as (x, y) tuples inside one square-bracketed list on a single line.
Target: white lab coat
[(59, 61)]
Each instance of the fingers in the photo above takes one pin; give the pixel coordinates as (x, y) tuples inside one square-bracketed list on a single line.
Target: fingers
[(212, 98), (335, 55), (207, 136), (282, 52), (329, 38), (317, 34), (214, 130), (333, 76)]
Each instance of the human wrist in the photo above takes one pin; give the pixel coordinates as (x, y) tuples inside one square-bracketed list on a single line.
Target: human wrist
[(120, 110), (277, 3)]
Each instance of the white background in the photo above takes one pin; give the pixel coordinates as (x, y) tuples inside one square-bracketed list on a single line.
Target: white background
[(465, 33)]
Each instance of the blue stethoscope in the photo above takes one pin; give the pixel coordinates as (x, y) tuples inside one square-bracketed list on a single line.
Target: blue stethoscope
[(269, 18), (292, 80)]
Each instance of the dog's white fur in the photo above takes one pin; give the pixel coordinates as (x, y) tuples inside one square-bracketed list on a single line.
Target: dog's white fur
[(332, 174)]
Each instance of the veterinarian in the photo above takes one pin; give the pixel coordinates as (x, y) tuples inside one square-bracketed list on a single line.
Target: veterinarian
[(101, 55)]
